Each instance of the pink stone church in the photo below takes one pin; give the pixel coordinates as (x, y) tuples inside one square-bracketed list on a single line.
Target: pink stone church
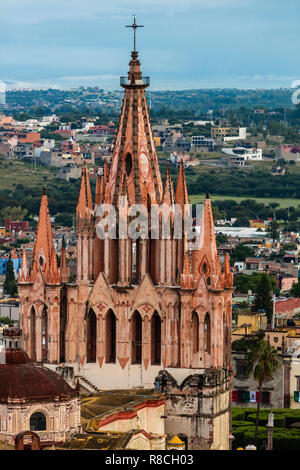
[(142, 313)]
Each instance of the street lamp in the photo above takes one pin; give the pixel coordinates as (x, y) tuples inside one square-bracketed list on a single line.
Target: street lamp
[(270, 427)]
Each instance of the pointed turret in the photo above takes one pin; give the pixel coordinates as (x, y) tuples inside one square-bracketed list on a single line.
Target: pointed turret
[(24, 272), (44, 252), (168, 197), (54, 275), (85, 202), (186, 280), (181, 196), (228, 281), (206, 256)]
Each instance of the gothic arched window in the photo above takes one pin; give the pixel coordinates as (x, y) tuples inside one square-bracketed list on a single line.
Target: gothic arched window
[(207, 333), (110, 337), (136, 336), (128, 164), (195, 332), (91, 335), (155, 339), (38, 422)]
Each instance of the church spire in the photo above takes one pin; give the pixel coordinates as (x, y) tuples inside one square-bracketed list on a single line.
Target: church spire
[(206, 257), (85, 202), (181, 196), (168, 197), (134, 157), (186, 280), (227, 272), (44, 252)]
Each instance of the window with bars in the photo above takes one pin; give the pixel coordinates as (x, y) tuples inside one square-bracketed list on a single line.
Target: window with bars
[(241, 368)]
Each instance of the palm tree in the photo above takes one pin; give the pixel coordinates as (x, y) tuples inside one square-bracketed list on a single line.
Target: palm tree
[(262, 362)]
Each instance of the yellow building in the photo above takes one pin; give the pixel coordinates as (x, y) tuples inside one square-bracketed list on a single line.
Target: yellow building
[(3, 232), (248, 323), (257, 224), (122, 419), (228, 132), (157, 141)]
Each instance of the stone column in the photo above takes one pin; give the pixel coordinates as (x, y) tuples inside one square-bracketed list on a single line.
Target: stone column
[(79, 258), (38, 336), (143, 258), (85, 257)]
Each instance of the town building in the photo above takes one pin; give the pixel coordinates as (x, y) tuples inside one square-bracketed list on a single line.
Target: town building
[(141, 311), (240, 155), (122, 419), (201, 142), (288, 153), (34, 398), (283, 390), (228, 133)]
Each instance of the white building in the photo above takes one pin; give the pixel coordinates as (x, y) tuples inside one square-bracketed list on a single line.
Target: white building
[(241, 154)]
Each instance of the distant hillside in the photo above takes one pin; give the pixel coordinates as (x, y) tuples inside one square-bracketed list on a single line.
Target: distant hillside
[(199, 101), (216, 99)]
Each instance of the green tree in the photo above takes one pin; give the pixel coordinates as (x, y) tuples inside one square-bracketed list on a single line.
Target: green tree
[(242, 222), (262, 362), (274, 231), (295, 290), (10, 285), (241, 252), (13, 213), (263, 296), (221, 239), (244, 282), (6, 321)]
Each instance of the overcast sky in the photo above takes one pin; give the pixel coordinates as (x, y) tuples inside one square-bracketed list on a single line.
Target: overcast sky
[(184, 44)]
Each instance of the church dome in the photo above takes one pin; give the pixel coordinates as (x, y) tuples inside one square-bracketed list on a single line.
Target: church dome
[(22, 379)]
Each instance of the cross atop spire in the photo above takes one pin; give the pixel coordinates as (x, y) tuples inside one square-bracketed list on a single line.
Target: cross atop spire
[(134, 26)]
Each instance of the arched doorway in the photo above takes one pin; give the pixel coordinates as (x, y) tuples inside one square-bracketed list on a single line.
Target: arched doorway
[(207, 334), (44, 335), (195, 332), (24, 436), (38, 422), (91, 335), (136, 336), (110, 337), (33, 333), (155, 339)]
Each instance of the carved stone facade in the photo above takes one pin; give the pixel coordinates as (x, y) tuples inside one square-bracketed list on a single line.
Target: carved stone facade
[(138, 306), (198, 408)]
